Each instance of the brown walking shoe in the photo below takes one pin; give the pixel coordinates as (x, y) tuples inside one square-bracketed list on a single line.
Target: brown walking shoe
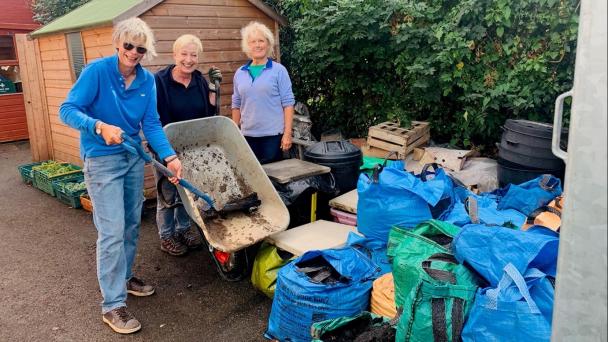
[(121, 321), (190, 238), (173, 247), (137, 287)]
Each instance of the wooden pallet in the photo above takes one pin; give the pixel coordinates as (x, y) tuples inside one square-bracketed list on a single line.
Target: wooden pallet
[(372, 151), (389, 136)]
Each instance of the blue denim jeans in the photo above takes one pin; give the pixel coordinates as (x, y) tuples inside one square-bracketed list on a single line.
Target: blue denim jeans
[(115, 185), (170, 220)]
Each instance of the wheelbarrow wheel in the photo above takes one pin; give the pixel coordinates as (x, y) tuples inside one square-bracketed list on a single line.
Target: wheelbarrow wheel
[(230, 266)]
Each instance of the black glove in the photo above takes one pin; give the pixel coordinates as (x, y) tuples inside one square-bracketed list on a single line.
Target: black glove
[(215, 75)]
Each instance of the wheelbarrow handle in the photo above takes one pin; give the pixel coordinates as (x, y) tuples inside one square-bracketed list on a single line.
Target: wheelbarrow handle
[(132, 146)]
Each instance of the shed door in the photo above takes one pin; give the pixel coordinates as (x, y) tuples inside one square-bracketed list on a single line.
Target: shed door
[(33, 100)]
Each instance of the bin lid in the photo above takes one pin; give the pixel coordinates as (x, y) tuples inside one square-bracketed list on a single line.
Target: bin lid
[(532, 128), (333, 151)]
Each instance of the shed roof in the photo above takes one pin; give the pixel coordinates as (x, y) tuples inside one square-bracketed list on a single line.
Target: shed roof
[(100, 12)]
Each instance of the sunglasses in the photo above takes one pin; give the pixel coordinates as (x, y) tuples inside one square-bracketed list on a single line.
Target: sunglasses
[(139, 49)]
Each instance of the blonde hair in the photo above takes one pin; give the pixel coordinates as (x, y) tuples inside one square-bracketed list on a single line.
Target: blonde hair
[(186, 39), (250, 29), (134, 30)]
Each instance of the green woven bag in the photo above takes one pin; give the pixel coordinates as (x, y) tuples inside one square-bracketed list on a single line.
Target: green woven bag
[(434, 291)]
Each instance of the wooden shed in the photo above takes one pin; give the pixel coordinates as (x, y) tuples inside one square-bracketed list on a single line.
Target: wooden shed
[(55, 54), (15, 18)]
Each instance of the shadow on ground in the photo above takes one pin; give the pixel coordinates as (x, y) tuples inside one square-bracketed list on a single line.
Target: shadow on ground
[(48, 286)]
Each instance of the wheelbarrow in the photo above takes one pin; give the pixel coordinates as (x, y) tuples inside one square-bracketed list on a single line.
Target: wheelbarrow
[(217, 160)]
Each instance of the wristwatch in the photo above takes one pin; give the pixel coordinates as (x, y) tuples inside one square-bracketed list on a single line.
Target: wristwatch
[(98, 125)]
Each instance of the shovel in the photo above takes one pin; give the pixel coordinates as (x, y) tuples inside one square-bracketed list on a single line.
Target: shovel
[(247, 204)]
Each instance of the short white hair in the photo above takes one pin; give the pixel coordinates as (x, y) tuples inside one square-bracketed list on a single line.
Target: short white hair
[(252, 28), (186, 39), (134, 30)]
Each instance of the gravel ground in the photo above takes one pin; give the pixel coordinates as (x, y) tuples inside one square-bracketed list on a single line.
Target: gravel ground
[(49, 290)]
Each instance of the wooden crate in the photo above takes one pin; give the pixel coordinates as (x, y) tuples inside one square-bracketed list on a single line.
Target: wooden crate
[(86, 203), (388, 136)]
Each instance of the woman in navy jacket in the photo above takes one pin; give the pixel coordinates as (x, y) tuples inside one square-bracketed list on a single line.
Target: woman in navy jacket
[(183, 94)]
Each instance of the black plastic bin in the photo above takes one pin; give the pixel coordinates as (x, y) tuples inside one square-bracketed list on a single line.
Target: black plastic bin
[(342, 157)]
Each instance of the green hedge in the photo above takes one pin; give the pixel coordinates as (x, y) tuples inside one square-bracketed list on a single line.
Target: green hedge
[(466, 66)]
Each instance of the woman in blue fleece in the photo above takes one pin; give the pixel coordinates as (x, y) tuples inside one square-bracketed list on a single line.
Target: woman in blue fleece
[(114, 95), (262, 100)]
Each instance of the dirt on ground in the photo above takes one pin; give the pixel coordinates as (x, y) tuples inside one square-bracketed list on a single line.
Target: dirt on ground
[(48, 283)]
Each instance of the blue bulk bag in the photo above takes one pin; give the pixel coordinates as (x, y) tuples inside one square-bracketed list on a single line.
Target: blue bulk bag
[(392, 196), (482, 209), (530, 195), (318, 286), (488, 249), (510, 312), (374, 249)]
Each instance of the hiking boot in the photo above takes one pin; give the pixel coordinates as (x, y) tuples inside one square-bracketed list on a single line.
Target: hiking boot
[(173, 247), (137, 287), (121, 321), (190, 238)]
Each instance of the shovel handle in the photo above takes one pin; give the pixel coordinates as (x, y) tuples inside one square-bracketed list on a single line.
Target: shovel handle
[(132, 146), (218, 104)]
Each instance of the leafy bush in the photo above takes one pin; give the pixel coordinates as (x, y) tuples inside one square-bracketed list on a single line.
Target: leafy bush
[(46, 11), (465, 66)]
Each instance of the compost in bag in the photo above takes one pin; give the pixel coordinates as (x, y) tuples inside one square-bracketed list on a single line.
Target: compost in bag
[(364, 327)]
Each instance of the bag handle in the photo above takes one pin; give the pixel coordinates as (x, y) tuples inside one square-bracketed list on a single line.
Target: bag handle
[(512, 275), (472, 208), (425, 170), (379, 167), (437, 274), (548, 183)]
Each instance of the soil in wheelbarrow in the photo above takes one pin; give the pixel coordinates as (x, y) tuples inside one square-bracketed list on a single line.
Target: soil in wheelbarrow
[(363, 329), (223, 228), (209, 169)]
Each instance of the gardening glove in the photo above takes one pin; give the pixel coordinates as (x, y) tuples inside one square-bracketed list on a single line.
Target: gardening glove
[(215, 75)]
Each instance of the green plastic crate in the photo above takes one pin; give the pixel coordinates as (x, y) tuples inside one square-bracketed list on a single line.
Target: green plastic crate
[(26, 172), (45, 183), (71, 198)]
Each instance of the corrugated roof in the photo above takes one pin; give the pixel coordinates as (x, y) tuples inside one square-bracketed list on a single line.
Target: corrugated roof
[(99, 12), (93, 13)]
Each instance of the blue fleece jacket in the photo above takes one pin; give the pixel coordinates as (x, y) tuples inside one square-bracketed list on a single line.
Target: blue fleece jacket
[(262, 100), (100, 94)]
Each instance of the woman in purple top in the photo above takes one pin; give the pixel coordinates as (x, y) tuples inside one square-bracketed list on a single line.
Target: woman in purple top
[(262, 101)]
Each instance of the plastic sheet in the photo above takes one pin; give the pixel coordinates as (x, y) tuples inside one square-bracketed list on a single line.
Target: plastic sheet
[(290, 192), (266, 266)]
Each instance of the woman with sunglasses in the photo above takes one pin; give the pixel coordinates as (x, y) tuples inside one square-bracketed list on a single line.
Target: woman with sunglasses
[(183, 94), (112, 96)]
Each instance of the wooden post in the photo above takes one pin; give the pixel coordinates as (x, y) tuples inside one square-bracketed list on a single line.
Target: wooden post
[(35, 99)]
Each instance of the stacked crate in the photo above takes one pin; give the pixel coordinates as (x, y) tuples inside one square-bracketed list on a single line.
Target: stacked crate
[(389, 137)]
